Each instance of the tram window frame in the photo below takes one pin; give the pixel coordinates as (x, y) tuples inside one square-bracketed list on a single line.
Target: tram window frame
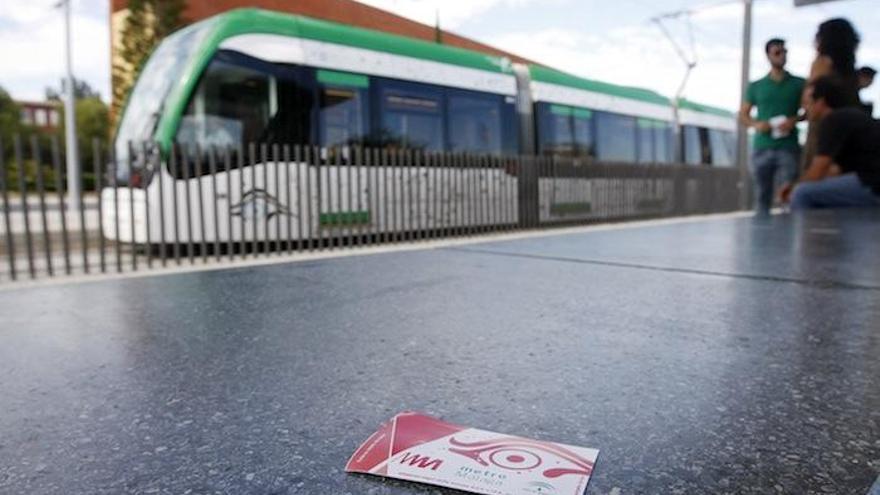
[(726, 156), (692, 146), (453, 94), (551, 116), (509, 126), (606, 135), (289, 118), (193, 127), (645, 150), (705, 148), (381, 86), (327, 81), (584, 148), (663, 134)]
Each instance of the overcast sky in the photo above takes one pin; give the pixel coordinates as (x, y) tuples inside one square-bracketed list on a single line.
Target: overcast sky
[(613, 41)]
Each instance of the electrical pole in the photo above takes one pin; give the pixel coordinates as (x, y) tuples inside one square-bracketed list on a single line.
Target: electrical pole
[(73, 175), (742, 136)]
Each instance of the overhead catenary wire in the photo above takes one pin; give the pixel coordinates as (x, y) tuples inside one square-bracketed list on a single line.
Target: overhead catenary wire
[(689, 59), (690, 63)]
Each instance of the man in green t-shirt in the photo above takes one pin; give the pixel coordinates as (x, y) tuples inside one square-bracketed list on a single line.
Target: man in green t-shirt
[(775, 148)]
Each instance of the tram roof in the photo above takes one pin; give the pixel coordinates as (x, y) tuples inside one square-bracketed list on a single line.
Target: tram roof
[(259, 21), (699, 107), (254, 20), (547, 75), (552, 76)]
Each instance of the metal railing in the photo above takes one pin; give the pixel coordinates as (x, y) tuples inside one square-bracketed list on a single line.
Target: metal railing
[(223, 205)]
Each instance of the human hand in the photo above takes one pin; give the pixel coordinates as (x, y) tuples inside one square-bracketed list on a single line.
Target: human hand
[(762, 126), (787, 125)]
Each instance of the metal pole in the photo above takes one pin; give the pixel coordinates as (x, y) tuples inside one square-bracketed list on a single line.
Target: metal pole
[(742, 133), (690, 63), (73, 175)]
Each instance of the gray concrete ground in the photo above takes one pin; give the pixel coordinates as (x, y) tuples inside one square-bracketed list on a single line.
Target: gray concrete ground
[(723, 356)]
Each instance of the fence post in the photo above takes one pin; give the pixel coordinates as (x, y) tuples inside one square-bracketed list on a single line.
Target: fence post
[(679, 191), (10, 242), (528, 191)]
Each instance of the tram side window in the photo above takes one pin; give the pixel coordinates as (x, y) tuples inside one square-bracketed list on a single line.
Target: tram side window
[(411, 116), (230, 107), (509, 126), (242, 100), (582, 120), (291, 122), (565, 131), (343, 108), (615, 137), (474, 123), (705, 149), (555, 136), (722, 146), (646, 150), (693, 150), (663, 143)]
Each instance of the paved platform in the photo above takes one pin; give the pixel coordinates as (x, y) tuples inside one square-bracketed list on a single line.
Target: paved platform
[(726, 356)]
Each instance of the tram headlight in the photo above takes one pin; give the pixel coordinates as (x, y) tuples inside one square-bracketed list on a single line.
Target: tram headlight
[(134, 165)]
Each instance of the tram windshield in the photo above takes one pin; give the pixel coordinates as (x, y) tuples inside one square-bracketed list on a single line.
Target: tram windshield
[(145, 104)]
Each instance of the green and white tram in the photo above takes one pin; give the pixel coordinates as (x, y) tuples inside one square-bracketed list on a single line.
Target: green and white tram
[(251, 76), (583, 119)]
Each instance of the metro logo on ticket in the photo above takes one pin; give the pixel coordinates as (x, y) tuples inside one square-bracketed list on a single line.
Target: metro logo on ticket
[(415, 447)]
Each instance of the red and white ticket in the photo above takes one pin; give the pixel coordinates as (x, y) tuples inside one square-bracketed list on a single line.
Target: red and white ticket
[(415, 447)]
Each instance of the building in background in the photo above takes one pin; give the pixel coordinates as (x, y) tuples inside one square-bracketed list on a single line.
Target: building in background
[(43, 115), (343, 11)]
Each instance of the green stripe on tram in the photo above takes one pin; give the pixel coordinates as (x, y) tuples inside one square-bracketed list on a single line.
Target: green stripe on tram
[(258, 21), (652, 204), (699, 107), (565, 110), (560, 110), (650, 123), (343, 79), (552, 76), (571, 208), (344, 218)]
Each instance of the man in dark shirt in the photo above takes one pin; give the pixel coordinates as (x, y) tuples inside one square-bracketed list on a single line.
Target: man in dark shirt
[(848, 138)]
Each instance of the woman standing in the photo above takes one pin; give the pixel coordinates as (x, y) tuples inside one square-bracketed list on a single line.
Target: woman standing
[(836, 43)]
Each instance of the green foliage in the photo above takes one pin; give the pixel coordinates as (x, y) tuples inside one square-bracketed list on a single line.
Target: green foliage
[(13, 173), (27, 163), (10, 118), (92, 122), (148, 22), (81, 89)]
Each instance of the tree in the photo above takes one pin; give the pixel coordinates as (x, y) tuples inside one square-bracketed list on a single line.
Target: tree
[(92, 122), (10, 126), (10, 118), (147, 24), (81, 89)]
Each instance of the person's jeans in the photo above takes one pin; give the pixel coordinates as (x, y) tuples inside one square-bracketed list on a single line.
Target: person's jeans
[(834, 192), (765, 165)]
